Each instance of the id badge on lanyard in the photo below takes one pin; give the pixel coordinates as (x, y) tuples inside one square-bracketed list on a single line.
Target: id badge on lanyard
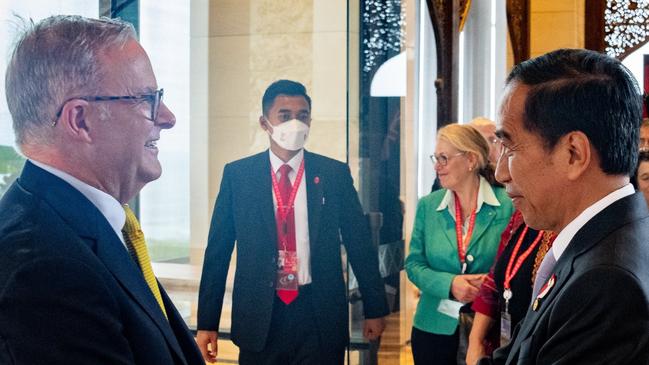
[(287, 270), (505, 328)]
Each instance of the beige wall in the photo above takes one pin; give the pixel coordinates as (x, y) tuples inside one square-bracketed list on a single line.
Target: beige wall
[(238, 48), (556, 24), (255, 42)]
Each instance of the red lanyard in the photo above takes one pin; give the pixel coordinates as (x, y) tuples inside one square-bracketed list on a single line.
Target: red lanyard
[(462, 244), (283, 209), (509, 273)]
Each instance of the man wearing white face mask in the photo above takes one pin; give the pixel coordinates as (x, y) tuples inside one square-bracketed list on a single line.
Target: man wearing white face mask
[(289, 211)]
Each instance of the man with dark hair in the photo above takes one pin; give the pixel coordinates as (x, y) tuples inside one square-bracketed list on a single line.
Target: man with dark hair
[(288, 210), (569, 128), (76, 283)]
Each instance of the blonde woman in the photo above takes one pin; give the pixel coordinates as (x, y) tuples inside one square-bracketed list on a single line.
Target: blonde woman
[(454, 242)]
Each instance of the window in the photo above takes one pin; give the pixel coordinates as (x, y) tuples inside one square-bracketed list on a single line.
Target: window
[(164, 203)]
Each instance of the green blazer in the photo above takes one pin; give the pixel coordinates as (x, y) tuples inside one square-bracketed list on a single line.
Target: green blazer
[(433, 259)]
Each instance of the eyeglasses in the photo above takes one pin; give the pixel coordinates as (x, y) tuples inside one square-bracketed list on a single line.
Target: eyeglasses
[(154, 99), (493, 140), (443, 159)]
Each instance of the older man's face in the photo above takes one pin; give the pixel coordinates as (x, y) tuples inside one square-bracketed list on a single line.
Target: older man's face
[(644, 138), (489, 133), (525, 167), (126, 141)]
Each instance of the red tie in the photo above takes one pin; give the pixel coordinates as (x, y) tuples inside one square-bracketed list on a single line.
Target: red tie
[(286, 230)]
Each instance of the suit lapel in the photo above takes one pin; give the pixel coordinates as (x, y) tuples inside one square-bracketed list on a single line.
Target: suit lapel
[(483, 221), (91, 226), (115, 257), (448, 222), (562, 271), (599, 227), (261, 193), (314, 183)]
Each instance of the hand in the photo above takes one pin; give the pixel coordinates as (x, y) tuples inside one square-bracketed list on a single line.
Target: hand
[(373, 327), (477, 282), (205, 338), (464, 288), (475, 352)]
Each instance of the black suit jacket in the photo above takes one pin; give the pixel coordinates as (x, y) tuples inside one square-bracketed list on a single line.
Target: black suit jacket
[(598, 310), (244, 213), (69, 291)]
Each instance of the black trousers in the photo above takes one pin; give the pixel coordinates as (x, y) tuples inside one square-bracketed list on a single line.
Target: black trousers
[(293, 338), (432, 349)]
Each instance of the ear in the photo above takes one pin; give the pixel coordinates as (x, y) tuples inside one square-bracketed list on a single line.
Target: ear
[(74, 120), (579, 154), (264, 124), (473, 160)]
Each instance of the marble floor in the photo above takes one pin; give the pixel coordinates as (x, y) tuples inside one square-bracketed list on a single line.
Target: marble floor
[(181, 282)]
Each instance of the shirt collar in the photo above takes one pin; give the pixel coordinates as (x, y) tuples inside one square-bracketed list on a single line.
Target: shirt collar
[(108, 206), (276, 162), (568, 233), (485, 195)]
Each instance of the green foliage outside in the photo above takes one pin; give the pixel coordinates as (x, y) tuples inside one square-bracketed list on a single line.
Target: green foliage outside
[(168, 251), (11, 163)]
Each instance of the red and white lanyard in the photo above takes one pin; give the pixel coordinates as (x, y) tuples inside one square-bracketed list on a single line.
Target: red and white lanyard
[(462, 244), (512, 268), (284, 208)]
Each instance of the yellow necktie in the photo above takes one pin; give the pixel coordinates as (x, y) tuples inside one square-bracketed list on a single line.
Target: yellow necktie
[(134, 238)]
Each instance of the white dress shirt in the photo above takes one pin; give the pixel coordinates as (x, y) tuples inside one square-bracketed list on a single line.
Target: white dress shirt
[(108, 206), (568, 233), (301, 214)]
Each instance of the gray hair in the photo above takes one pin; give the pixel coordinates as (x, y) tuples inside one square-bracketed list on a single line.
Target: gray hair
[(52, 61)]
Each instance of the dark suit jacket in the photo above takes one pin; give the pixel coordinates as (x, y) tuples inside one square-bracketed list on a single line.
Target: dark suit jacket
[(244, 213), (69, 291), (598, 310)]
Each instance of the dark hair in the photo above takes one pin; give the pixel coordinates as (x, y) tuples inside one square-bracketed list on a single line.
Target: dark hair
[(582, 90), (282, 87), (643, 156)]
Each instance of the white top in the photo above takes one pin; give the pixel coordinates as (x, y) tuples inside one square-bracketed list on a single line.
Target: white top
[(485, 195), (301, 214), (568, 233), (108, 206)]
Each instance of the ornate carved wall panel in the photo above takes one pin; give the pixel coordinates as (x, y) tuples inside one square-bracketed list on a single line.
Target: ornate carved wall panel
[(518, 22), (617, 27), (446, 24), (594, 25)]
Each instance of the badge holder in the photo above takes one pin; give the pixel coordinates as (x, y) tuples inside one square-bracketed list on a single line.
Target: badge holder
[(506, 320), (287, 270)]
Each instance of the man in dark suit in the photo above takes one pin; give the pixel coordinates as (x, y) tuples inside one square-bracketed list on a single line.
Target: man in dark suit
[(288, 210), (569, 128), (76, 285)]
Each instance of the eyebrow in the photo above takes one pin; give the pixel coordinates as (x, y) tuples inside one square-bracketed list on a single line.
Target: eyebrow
[(289, 110), (150, 90)]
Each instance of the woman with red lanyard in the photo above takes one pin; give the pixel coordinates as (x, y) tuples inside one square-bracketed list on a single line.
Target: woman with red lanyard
[(454, 242), (506, 292)]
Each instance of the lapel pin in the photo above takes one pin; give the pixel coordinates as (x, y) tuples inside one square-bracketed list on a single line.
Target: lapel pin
[(545, 289), (316, 179)]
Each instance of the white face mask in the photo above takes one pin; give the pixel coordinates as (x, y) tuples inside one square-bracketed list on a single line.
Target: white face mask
[(289, 135)]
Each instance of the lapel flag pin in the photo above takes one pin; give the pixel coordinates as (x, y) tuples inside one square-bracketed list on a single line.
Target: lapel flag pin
[(544, 291), (316, 179)]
